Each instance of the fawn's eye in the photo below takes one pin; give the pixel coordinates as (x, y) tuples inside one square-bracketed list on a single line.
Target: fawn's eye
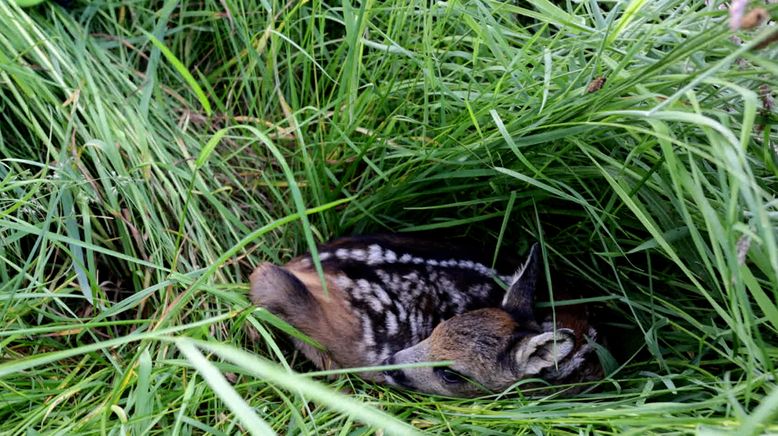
[(450, 376)]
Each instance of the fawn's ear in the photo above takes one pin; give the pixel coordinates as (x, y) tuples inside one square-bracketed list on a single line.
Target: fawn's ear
[(520, 297), (543, 350)]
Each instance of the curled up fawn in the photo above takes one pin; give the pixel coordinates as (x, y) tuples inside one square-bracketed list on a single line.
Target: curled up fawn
[(396, 299)]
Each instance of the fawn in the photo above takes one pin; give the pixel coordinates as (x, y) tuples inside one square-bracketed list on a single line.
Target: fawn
[(394, 299)]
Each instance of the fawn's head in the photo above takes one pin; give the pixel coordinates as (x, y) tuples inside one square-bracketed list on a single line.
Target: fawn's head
[(490, 349)]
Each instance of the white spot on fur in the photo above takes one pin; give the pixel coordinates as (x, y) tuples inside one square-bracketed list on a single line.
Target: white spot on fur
[(375, 255), (484, 270), (359, 255), (414, 325), (325, 255), (375, 304), (479, 290), (408, 280), (391, 324), (392, 282), (405, 258), (382, 296), (343, 281), (361, 289), (454, 294), (390, 256), (367, 292), (402, 315), (367, 331), (423, 329)]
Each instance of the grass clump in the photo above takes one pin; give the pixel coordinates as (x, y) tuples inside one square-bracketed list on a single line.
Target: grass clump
[(152, 153)]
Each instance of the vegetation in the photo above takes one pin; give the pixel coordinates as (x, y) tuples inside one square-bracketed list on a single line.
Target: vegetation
[(153, 152)]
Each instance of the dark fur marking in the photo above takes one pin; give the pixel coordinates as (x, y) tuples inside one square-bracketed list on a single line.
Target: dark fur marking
[(520, 299)]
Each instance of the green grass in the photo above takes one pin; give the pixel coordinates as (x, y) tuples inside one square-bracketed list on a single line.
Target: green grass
[(153, 152)]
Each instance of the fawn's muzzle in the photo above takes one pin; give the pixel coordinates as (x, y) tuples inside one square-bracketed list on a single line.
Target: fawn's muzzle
[(395, 376)]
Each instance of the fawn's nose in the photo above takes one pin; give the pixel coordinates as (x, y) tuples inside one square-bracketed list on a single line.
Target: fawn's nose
[(396, 376)]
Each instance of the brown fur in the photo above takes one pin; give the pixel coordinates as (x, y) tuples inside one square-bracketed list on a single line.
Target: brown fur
[(477, 335), (324, 318)]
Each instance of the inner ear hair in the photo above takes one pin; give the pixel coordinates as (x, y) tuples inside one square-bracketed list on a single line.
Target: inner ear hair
[(519, 300), (543, 350)]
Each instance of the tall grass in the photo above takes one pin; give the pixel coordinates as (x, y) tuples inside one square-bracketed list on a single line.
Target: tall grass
[(153, 152)]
